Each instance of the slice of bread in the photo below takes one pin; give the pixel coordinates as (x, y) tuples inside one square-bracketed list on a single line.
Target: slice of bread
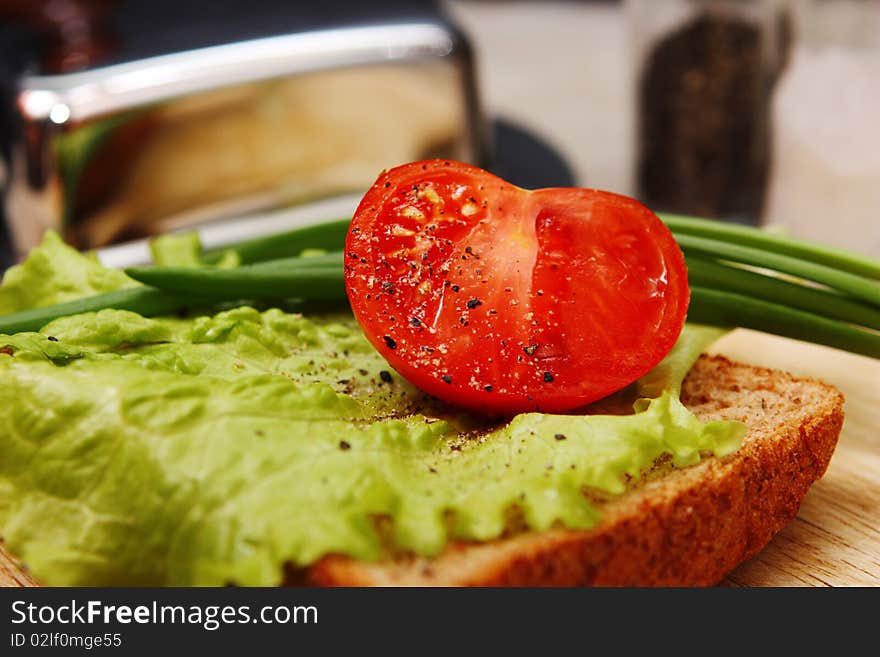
[(675, 527)]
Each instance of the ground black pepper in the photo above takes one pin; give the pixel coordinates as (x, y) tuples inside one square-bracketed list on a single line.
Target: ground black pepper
[(704, 120), (389, 342)]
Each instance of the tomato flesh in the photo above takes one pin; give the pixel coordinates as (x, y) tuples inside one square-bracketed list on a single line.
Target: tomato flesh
[(506, 300)]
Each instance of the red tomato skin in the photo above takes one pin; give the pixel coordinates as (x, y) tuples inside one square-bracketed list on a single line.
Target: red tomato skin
[(506, 300)]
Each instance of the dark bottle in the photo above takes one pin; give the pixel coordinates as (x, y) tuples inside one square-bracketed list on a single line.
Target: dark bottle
[(704, 73)]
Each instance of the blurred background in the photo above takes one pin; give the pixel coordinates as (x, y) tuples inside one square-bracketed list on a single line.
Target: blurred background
[(121, 119)]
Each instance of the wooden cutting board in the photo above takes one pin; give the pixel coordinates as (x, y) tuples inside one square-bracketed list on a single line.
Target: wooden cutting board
[(835, 539)]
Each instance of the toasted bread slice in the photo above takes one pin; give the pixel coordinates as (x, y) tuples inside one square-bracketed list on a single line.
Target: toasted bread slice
[(676, 527)]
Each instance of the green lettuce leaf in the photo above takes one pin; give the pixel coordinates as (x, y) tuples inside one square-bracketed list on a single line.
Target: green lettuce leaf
[(185, 250), (54, 273), (222, 448)]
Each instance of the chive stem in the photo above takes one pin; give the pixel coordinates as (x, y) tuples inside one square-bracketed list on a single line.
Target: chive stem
[(712, 274), (329, 235), (317, 277), (844, 282), (839, 259), (728, 309), (146, 301)]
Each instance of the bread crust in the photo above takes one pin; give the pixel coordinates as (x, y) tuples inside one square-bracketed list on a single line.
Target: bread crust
[(685, 527)]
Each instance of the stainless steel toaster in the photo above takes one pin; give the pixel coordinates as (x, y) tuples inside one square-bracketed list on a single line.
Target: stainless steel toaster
[(126, 151)]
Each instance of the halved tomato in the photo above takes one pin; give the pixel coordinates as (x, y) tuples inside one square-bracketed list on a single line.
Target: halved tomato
[(505, 300)]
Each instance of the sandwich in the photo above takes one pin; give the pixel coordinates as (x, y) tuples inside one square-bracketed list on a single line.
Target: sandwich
[(422, 439), (674, 527)]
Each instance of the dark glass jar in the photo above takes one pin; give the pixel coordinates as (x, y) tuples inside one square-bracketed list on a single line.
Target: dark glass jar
[(704, 74)]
